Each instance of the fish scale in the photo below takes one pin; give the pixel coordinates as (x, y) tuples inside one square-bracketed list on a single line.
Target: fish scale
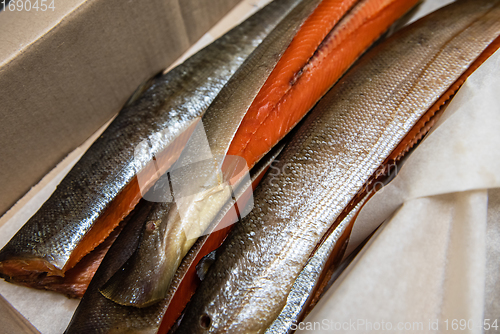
[(174, 101), (97, 314), (367, 114), (196, 212)]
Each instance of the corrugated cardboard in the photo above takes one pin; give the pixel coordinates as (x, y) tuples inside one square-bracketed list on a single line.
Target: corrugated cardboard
[(64, 73)]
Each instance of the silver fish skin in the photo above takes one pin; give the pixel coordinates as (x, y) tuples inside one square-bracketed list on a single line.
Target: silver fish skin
[(170, 106), (304, 286), (194, 213), (97, 314), (338, 148)]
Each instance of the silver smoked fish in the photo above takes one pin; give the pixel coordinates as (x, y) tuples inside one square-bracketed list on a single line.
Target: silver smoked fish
[(102, 187), (328, 165)]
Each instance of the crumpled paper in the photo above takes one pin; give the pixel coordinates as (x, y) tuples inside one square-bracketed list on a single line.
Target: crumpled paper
[(433, 266)]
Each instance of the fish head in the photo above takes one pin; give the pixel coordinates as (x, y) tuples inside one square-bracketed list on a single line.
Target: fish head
[(215, 316)]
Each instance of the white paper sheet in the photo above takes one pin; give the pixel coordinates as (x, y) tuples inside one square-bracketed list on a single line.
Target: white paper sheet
[(425, 267)]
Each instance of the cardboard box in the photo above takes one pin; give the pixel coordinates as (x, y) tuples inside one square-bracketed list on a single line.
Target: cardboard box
[(66, 70)]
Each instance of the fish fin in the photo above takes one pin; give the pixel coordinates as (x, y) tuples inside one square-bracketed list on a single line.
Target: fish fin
[(130, 287), (204, 264), (145, 278)]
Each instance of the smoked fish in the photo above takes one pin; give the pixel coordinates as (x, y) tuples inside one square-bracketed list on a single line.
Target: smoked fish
[(98, 314), (370, 118), (273, 89), (102, 188)]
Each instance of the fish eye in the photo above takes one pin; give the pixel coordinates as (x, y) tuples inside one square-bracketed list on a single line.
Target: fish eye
[(205, 321)]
